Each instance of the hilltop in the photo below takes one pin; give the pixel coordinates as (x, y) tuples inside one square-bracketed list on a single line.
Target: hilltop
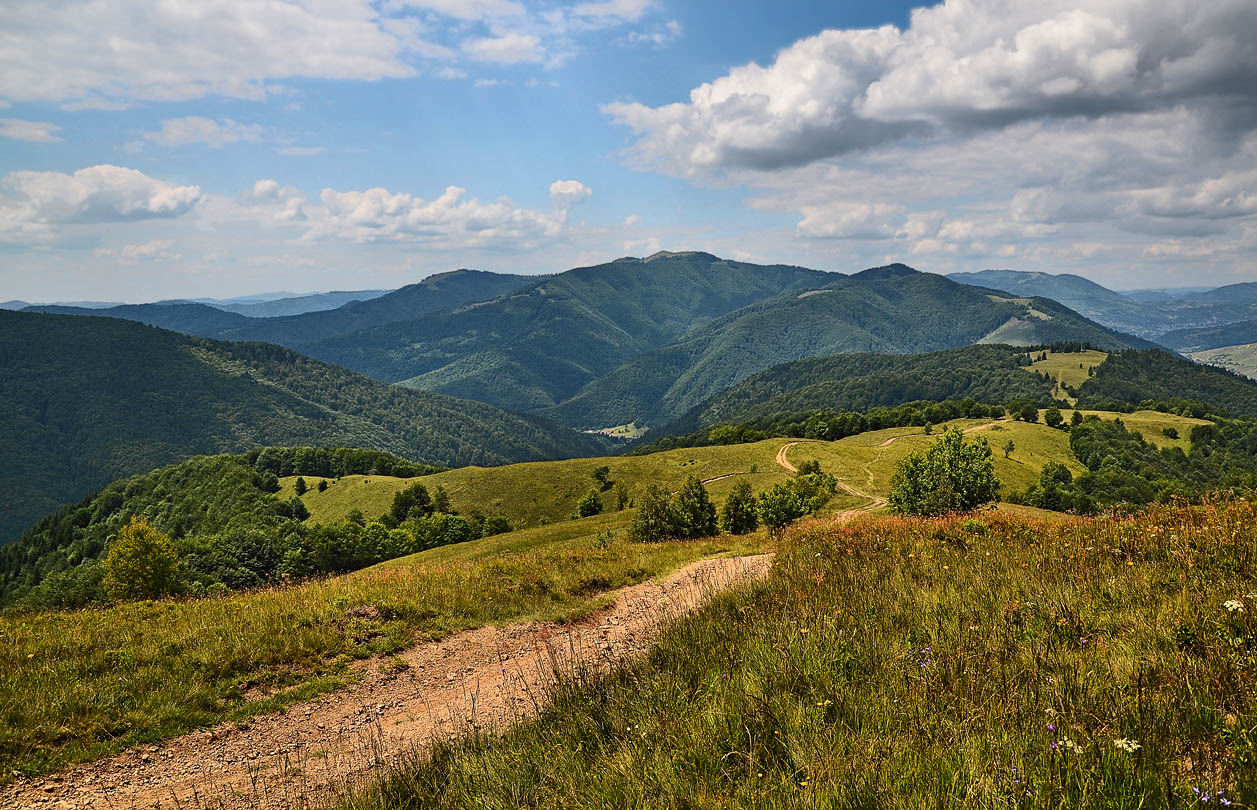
[(87, 400)]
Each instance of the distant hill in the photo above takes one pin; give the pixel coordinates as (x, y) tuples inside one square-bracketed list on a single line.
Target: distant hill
[(433, 294), (892, 309), (540, 345), (295, 304), (1195, 340), (86, 400), (1148, 313), (1132, 377)]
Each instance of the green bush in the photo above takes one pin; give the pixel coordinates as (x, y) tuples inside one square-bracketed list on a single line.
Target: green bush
[(738, 514), (952, 475), (141, 564)]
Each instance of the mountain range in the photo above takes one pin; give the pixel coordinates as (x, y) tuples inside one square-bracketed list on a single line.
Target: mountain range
[(85, 400)]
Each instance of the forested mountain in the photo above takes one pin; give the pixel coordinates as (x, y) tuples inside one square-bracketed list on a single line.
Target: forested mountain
[(858, 382), (1132, 377), (294, 304), (1146, 315), (87, 400), (1195, 340), (892, 309), (433, 294), (539, 346)]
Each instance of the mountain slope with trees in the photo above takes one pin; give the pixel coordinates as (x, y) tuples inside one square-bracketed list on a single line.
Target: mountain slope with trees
[(88, 400), (892, 309)]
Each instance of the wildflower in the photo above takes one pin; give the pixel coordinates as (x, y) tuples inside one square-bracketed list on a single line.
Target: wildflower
[(1051, 728), (1233, 606), (1071, 746), (1129, 746)]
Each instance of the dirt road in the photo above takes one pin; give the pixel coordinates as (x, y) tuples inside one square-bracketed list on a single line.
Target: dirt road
[(874, 502), (479, 679)]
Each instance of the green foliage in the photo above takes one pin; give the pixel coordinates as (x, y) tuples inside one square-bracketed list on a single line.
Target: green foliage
[(1028, 413), (1009, 447), (951, 475), (734, 434), (1052, 417), (602, 477), (300, 487), (589, 505), (141, 564), (695, 514), (495, 524), (1158, 380), (739, 513), (414, 499), (655, 520), (788, 501)]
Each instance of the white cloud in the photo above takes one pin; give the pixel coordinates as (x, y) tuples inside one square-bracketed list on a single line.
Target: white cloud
[(118, 50), (302, 151), (668, 32), (567, 193), (34, 131), (152, 250), (198, 129), (610, 12), (507, 49), (849, 220), (448, 222), (470, 9), (961, 65), (40, 202), (631, 220), (450, 73), (95, 104)]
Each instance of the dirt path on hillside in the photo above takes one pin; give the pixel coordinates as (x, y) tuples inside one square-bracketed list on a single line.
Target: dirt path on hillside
[(874, 502), (973, 429), (484, 679)]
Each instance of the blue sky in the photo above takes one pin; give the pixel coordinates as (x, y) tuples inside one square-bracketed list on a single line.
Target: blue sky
[(222, 148)]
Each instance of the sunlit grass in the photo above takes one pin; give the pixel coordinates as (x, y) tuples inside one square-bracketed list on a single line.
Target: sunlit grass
[(984, 662)]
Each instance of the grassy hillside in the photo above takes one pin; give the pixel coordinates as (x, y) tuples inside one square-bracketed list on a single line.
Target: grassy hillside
[(1084, 296), (1067, 370), (1239, 359), (1196, 340), (539, 346), (971, 662), (89, 400)]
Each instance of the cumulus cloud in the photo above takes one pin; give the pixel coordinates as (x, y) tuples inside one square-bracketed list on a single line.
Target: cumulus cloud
[(198, 129), (451, 221), (34, 131), (38, 202), (961, 65), (124, 49), (566, 193)]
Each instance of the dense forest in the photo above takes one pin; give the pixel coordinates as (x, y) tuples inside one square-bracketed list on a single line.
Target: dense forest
[(229, 528), (88, 400), (1157, 379)]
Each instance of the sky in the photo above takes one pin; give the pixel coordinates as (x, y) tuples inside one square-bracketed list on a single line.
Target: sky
[(155, 149)]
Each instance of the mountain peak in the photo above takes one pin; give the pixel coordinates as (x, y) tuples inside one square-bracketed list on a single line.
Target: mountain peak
[(671, 254), (888, 271)]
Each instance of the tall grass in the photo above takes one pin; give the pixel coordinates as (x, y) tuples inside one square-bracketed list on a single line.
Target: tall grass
[(970, 662), (78, 685)]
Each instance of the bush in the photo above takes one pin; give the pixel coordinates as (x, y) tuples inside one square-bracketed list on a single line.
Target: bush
[(141, 564), (495, 524), (655, 519), (589, 505), (738, 514), (300, 487), (779, 507), (952, 475), (1052, 417)]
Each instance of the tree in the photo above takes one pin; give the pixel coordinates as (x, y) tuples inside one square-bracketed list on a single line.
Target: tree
[(141, 564), (1076, 419), (1029, 413), (441, 501), (1052, 417), (695, 513), (589, 505), (322, 485), (1009, 447), (779, 507), (809, 467), (602, 476), (738, 513), (495, 524), (621, 497), (1055, 473), (299, 486), (655, 520), (414, 499), (952, 475)]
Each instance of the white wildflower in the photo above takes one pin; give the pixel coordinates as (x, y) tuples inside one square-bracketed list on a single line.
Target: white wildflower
[(1233, 606), (1074, 748), (1129, 746)]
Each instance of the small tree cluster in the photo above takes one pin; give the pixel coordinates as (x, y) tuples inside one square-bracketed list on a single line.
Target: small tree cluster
[(687, 515), (740, 513)]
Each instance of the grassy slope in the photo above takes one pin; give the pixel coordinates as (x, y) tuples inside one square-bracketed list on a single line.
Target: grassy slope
[(78, 685), (1240, 359), (914, 664), (548, 491), (1068, 368)]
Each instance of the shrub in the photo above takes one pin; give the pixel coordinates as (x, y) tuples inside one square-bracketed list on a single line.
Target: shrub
[(300, 487), (952, 475), (1052, 417), (495, 524), (655, 519), (589, 505), (141, 564), (779, 507), (738, 514)]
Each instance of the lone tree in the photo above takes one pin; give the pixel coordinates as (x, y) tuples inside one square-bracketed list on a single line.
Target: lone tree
[(952, 475), (1052, 417), (1009, 447), (779, 507), (738, 514), (602, 477), (141, 564), (1029, 413), (694, 512), (299, 486)]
